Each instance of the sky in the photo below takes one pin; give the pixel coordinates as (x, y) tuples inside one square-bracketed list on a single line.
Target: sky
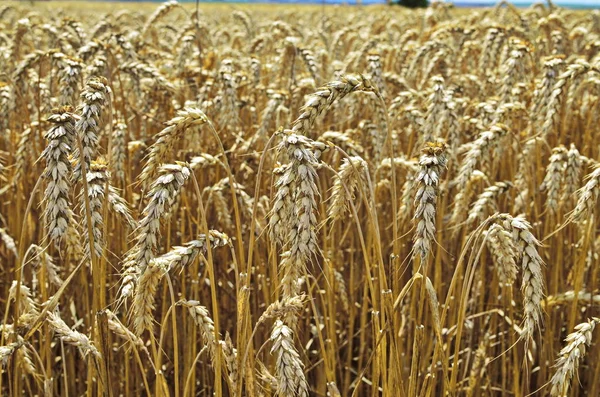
[(585, 4), (564, 3)]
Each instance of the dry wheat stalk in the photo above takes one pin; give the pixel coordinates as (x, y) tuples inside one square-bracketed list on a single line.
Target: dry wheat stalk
[(436, 116), (569, 296), (43, 261), (572, 174), (342, 290), (513, 69), (310, 62), (544, 89), (479, 364), (120, 206), (229, 114), (436, 73), (462, 200), (409, 165), (230, 354), (555, 173), (525, 167), (69, 75), (28, 308), (9, 350), (159, 13), (24, 360), (343, 140), (22, 152), (268, 114), (116, 326), (283, 205), (300, 237), (375, 70), (221, 206), (554, 106), (204, 160)]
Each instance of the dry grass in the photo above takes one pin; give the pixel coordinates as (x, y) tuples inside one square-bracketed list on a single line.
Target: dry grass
[(298, 201)]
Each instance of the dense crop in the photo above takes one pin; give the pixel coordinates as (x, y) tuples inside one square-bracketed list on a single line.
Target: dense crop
[(299, 202)]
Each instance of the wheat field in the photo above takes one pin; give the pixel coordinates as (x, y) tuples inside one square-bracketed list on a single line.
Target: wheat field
[(228, 200)]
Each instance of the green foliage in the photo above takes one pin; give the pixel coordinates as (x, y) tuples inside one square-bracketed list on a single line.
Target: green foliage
[(413, 3)]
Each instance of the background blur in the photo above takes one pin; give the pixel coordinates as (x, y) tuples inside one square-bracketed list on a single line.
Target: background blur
[(580, 4)]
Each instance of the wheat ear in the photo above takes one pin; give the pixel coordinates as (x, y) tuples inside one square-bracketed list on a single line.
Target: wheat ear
[(162, 195), (291, 381), (432, 162), (531, 267), (570, 355), (77, 339), (58, 168), (189, 118)]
